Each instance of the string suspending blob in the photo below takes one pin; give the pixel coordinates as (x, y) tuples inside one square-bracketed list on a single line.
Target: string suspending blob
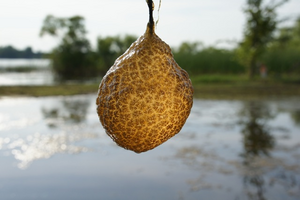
[(145, 97)]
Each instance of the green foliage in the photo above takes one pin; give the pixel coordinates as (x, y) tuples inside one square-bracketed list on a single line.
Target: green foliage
[(198, 60), (19, 69), (281, 61), (218, 78), (283, 54), (110, 48), (73, 58), (11, 52), (258, 33)]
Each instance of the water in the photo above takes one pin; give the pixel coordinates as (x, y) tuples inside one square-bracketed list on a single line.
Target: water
[(11, 63), (41, 76), (55, 148)]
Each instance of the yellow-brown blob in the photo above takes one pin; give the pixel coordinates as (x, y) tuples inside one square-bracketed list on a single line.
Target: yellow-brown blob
[(145, 97)]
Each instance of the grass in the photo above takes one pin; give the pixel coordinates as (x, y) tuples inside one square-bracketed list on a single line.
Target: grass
[(245, 91), (219, 78), (207, 87), (241, 87), (20, 69), (57, 90), (243, 79)]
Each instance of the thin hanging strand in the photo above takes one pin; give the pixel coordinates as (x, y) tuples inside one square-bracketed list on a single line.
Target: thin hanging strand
[(158, 13)]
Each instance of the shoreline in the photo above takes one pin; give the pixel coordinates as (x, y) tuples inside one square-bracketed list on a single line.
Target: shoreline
[(203, 91), (48, 90)]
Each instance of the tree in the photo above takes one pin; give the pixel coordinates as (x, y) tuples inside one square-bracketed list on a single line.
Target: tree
[(11, 52), (283, 54), (259, 31), (289, 36), (73, 58), (197, 59), (110, 48)]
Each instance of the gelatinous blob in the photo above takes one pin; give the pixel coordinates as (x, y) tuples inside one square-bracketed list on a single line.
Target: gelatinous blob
[(145, 97)]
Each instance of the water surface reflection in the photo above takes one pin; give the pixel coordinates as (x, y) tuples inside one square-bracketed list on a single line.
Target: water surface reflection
[(263, 169), (27, 136), (296, 117), (267, 162), (68, 110), (257, 137), (226, 150)]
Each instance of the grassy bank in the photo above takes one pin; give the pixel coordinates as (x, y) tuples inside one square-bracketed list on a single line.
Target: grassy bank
[(209, 87), (245, 91), (240, 87), (38, 91)]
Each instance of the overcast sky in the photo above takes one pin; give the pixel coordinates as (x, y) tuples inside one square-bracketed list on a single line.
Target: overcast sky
[(179, 20)]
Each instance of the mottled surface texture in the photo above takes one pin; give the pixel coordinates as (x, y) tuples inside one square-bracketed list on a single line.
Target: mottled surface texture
[(145, 97)]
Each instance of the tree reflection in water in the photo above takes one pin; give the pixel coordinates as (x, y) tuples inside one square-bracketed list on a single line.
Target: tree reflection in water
[(257, 142), (70, 110), (258, 161), (265, 163), (296, 116)]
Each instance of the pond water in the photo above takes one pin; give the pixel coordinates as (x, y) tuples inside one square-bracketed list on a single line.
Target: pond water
[(11, 63), (55, 148), (41, 75)]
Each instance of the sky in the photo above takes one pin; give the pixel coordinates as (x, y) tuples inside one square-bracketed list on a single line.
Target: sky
[(208, 21)]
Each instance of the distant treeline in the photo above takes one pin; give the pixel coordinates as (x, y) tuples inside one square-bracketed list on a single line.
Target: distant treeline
[(197, 60), (75, 58), (11, 52)]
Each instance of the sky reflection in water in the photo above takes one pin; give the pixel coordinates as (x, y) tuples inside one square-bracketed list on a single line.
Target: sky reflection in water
[(55, 148), (41, 76)]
